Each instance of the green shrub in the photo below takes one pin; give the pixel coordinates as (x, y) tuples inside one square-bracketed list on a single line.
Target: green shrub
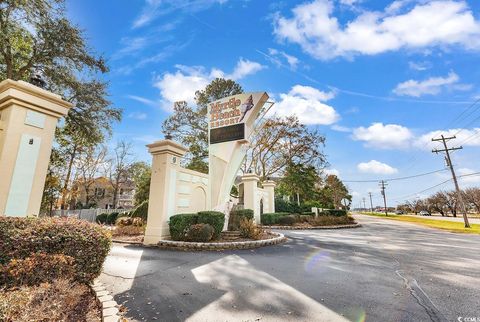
[(102, 219), (333, 212), (308, 213), (237, 215), (286, 206), (287, 220), (272, 218), (179, 224), (124, 221), (88, 244), (248, 229), (199, 233), (111, 218), (141, 211), (37, 268), (214, 218), (331, 220)]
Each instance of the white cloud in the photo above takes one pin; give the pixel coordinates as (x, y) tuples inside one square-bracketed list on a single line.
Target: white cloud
[(388, 136), (430, 86), (340, 128), (419, 66), (308, 104), (277, 57), (464, 137), (143, 100), (154, 8), (245, 67), (440, 23), (334, 172), (376, 167), (138, 115), (182, 84), (465, 178)]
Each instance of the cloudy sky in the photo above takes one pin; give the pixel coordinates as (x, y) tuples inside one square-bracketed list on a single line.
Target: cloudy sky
[(378, 78)]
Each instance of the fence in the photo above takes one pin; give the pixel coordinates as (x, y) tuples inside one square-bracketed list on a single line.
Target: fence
[(86, 214)]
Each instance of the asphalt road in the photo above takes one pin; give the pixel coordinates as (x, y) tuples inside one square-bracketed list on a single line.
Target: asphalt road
[(384, 271)]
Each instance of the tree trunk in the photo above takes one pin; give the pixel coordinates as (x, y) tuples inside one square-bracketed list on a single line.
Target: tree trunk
[(67, 178)]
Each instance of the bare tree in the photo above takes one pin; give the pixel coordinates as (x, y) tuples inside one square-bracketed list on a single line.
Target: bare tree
[(451, 201), (118, 168), (283, 141), (89, 164), (472, 196), (437, 203)]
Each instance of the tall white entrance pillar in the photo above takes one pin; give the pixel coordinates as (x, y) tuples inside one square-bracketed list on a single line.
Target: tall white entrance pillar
[(161, 205), (269, 187), (28, 118), (250, 195)]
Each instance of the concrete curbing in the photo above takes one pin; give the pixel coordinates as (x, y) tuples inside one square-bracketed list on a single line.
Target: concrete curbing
[(110, 308), (181, 245), (311, 228)]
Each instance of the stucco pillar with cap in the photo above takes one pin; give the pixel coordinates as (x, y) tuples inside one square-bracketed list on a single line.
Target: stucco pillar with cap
[(161, 205), (28, 118), (250, 195), (269, 187)]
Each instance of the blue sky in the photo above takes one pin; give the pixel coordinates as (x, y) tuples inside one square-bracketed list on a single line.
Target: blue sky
[(378, 78)]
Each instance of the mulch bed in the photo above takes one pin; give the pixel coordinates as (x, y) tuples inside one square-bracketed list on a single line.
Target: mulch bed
[(128, 239), (61, 300)]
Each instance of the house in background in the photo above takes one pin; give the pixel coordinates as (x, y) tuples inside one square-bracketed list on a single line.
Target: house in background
[(99, 193)]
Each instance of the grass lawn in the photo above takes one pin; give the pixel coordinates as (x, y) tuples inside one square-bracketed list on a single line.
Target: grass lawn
[(456, 227)]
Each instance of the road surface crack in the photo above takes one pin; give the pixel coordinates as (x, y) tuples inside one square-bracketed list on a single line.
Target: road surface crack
[(422, 299)]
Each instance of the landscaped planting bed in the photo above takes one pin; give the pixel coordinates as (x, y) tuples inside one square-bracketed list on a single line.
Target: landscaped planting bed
[(326, 219), (46, 266)]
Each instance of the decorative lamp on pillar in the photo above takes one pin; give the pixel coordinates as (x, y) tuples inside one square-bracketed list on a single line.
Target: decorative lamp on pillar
[(28, 118), (161, 205)]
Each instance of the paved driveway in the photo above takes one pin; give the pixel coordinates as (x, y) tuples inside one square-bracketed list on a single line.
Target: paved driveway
[(384, 271)]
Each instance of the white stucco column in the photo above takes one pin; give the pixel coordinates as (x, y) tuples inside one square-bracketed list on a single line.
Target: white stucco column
[(28, 118), (162, 203), (269, 187), (250, 195)]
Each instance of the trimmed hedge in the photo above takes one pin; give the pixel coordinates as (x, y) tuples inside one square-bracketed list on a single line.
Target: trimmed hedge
[(333, 212), (272, 218), (179, 224), (215, 219), (199, 233), (88, 244), (141, 211), (36, 269), (287, 220), (237, 215)]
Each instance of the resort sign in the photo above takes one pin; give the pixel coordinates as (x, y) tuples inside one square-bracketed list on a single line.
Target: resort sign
[(230, 117)]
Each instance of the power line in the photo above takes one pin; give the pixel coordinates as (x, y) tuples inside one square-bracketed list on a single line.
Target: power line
[(395, 179)]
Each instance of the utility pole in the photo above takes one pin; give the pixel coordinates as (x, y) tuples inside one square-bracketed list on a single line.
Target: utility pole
[(450, 165), (382, 187), (364, 207), (371, 204)]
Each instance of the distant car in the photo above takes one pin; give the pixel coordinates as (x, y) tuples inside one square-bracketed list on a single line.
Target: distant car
[(424, 213), (399, 212)]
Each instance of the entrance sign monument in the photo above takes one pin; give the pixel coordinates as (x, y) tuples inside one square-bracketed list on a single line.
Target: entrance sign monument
[(232, 122)]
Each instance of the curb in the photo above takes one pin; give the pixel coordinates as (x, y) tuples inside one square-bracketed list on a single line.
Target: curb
[(311, 228), (180, 245), (110, 308)]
